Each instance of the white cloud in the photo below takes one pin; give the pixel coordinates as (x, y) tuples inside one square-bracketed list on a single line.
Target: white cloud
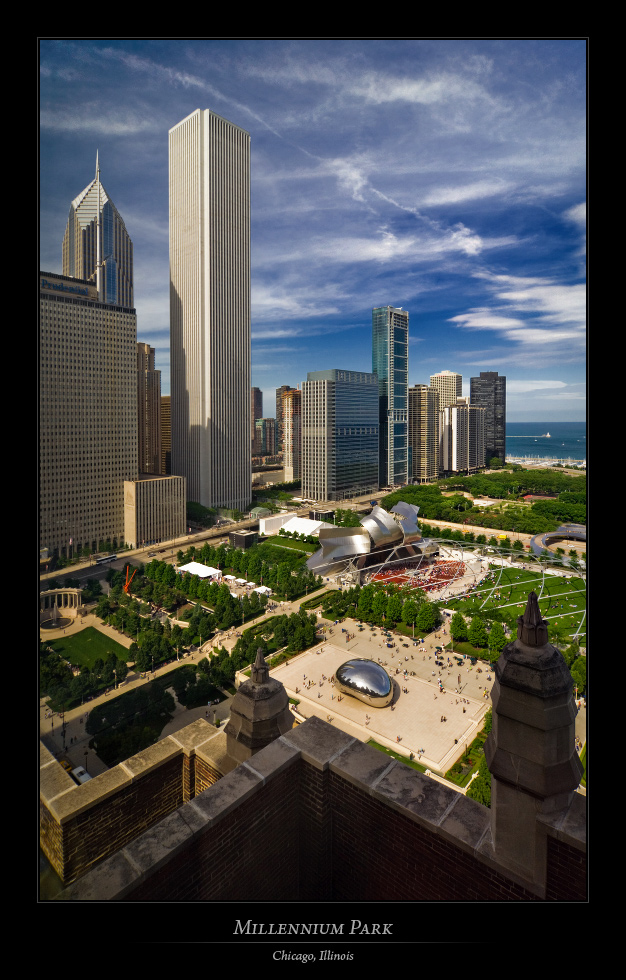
[(577, 214), (524, 385), (95, 118), (466, 192)]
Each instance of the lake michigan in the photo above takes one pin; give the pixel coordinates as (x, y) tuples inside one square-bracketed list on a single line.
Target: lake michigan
[(568, 440)]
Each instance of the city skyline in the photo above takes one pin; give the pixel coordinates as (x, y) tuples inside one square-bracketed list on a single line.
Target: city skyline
[(450, 182)]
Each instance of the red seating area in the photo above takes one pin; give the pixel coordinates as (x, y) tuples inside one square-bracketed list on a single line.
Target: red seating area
[(432, 578)]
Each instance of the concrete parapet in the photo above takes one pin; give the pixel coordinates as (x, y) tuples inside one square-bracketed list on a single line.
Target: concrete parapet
[(334, 820), (81, 825)]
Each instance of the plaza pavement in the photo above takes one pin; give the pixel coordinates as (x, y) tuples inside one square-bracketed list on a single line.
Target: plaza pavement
[(414, 716)]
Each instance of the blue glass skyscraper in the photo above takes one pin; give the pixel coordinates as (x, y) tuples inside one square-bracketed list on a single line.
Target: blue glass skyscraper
[(390, 362), (339, 434)]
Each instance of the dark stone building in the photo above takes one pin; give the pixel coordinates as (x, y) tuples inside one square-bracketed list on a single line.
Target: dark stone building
[(489, 392)]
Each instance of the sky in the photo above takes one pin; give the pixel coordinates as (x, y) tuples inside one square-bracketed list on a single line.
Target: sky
[(445, 177)]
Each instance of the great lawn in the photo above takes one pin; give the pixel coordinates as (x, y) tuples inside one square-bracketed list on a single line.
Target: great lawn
[(88, 646), (562, 601)]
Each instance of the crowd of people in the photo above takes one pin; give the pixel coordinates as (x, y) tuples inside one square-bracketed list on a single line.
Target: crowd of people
[(433, 577)]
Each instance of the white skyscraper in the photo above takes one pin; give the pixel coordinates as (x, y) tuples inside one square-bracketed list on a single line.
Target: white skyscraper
[(209, 180)]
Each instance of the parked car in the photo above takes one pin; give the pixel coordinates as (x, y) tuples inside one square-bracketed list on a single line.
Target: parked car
[(80, 775)]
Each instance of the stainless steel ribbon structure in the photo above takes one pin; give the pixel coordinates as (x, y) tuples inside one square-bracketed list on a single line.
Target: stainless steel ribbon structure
[(381, 539)]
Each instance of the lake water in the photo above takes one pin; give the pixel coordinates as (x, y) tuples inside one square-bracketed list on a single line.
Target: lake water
[(568, 440)]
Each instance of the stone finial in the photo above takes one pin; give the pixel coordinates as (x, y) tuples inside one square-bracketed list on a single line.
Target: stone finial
[(259, 713), (259, 672), (530, 750), (531, 628)]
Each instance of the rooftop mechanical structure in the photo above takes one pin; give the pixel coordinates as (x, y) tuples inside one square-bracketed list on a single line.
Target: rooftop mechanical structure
[(381, 540)]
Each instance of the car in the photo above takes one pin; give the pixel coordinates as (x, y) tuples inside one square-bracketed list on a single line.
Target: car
[(80, 775), (66, 765)]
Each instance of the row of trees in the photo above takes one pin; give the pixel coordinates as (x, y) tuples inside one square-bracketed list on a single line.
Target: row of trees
[(295, 633), (476, 633), (542, 515), (280, 569), (518, 482), (378, 604), (65, 688)]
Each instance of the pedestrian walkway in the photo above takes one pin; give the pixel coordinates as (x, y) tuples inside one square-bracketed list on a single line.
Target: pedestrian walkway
[(413, 723)]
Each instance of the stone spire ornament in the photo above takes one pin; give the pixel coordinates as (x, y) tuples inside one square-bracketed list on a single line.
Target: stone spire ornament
[(530, 751), (259, 713)]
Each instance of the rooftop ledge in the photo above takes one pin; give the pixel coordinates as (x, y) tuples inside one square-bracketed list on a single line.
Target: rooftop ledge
[(436, 807)]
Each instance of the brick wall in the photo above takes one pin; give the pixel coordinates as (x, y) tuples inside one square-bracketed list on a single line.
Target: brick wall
[(379, 854), (251, 853), (567, 872), (81, 826), (318, 816)]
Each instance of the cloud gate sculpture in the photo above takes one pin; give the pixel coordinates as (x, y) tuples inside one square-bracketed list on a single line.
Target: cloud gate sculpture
[(380, 539), (365, 680)]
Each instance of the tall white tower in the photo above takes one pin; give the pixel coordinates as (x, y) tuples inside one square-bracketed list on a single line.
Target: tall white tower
[(209, 181)]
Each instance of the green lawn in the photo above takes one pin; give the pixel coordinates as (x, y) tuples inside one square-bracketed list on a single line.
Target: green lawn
[(278, 541), (562, 601), (88, 646)]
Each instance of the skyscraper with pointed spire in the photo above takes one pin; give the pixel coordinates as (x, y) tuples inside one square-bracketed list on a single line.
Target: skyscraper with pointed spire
[(96, 245)]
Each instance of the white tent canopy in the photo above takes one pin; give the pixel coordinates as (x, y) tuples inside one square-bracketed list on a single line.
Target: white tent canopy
[(264, 589), (203, 571), (301, 525)]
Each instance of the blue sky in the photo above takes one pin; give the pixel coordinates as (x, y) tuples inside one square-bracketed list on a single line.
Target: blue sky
[(446, 177)]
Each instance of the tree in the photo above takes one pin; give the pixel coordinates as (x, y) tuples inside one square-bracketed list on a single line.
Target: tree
[(480, 788), (142, 660), (410, 611), (497, 637), (393, 611), (458, 627), (427, 618), (578, 671), (477, 633)]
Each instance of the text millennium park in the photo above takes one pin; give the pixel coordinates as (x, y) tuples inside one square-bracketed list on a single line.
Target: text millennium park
[(356, 928)]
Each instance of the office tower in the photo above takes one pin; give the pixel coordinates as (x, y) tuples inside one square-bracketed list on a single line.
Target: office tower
[(489, 392), (390, 361), (279, 416), (292, 428), (148, 411), (449, 385), (462, 437), (265, 437), (209, 180), (155, 509), (423, 434), (339, 434), (166, 434), (88, 415), (96, 245), (256, 408)]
